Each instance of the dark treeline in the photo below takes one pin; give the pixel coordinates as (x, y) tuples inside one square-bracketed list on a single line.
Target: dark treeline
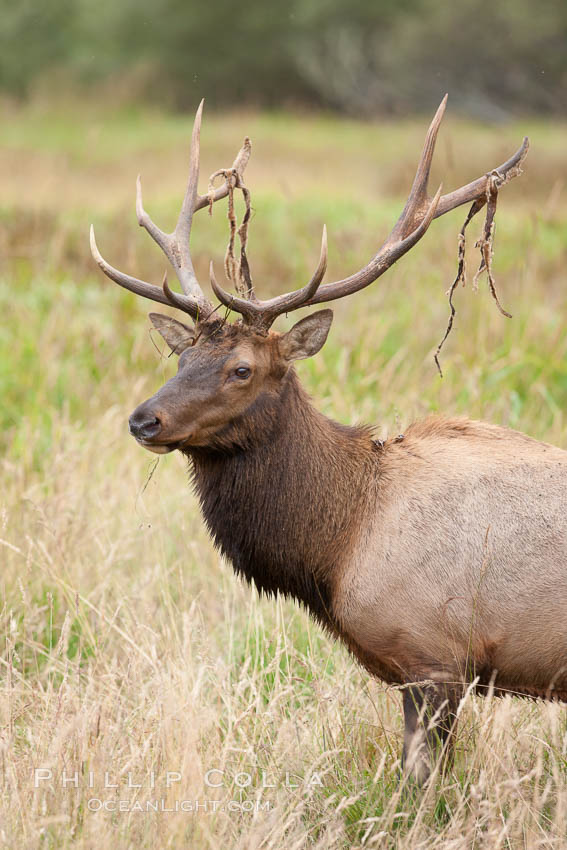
[(357, 56)]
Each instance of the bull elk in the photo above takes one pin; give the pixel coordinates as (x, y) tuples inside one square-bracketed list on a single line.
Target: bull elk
[(439, 557)]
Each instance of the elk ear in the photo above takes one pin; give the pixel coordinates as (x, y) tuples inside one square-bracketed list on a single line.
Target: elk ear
[(177, 335), (307, 336)]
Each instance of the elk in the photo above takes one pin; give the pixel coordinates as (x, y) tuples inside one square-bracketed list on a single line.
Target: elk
[(439, 557)]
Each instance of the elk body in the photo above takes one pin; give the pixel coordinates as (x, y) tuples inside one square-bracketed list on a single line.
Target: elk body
[(439, 557)]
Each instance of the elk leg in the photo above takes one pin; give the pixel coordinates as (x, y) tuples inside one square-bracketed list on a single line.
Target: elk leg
[(430, 720)]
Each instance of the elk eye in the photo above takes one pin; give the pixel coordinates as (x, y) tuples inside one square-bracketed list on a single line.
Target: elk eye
[(242, 372)]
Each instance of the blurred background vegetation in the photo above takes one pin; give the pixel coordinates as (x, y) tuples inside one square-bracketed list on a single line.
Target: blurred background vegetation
[(361, 57), (113, 603)]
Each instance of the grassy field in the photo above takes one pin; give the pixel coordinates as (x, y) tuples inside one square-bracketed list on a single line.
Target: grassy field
[(131, 654)]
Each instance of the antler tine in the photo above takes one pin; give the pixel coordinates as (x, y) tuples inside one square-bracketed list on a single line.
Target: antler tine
[(175, 299), (140, 287), (247, 309), (239, 164), (319, 272), (293, 300), (176, 245), (263, 313), (183, 226), (418, 195)]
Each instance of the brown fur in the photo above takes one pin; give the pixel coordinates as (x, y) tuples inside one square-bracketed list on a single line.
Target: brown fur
[(439, 558), (274, 508)]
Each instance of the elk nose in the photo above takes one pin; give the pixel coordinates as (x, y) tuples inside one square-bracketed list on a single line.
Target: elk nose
[(143, 425)]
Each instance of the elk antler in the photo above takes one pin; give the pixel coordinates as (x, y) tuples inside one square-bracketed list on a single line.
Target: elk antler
[(176, 245), (417, 215)]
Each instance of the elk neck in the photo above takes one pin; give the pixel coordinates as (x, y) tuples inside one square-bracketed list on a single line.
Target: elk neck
[(287, 508)]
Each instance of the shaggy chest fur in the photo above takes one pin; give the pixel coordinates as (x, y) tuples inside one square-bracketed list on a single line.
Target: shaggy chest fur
[(267, 554), (286, 510)]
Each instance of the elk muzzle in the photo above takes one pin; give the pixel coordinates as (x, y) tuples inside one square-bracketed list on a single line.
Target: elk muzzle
[(145, 426)]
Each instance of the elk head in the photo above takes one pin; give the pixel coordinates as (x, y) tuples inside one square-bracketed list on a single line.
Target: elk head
[(231, 376), (228, 383)]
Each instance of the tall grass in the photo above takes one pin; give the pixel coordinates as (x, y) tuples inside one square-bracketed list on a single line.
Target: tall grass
[(129, 647)]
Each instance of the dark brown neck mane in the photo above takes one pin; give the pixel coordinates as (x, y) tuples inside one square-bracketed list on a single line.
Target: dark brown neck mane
[(285, 509)]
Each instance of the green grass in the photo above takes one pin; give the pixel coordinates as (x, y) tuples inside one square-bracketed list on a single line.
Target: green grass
[(128, 644)]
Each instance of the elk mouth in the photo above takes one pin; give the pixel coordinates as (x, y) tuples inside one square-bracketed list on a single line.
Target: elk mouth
[(158, 449), (162, 448)]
